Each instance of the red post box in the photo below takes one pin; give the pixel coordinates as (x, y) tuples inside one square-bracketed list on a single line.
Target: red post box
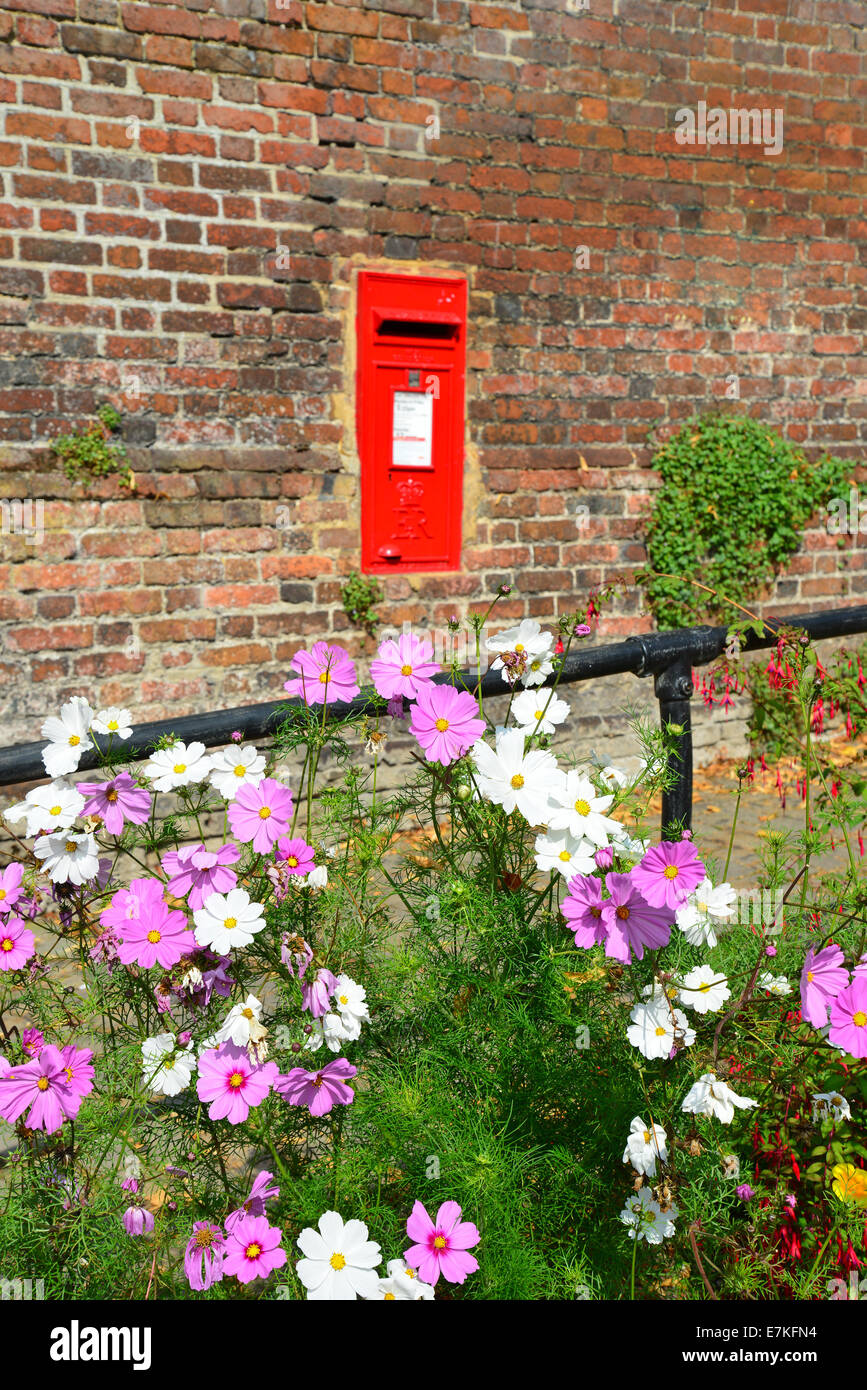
[(412, 333)]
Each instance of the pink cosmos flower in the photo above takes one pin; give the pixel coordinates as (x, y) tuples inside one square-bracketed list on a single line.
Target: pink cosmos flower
[(320, 1090), (261, 814), (232, 1083), (253, 1249), (260, 1193), (133, 903), (77, 1063), (10, 886), (296, 954), (160, 936), (631, 921), (315, 996), (193, 869), (116, 801), (822, 977), (137, 1221), (32, 1041), (849, 1018), (668, 873), (441, 1245), (203, 1257), (327, 674), (17, 944), (582, 908), (402, 667), (604, 857), (43, 1086), (297, 855), (446, 722)]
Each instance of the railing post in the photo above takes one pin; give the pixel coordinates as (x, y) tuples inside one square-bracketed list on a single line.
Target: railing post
[(673, 688)]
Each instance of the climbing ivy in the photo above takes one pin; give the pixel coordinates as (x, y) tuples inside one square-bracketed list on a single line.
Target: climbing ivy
[(734, 500), (92, 452)]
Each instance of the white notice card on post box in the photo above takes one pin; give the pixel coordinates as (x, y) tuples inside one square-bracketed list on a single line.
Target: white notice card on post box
[(412, 430)]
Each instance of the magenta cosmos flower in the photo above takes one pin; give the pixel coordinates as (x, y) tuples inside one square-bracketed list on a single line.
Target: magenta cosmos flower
[(849, 1018), (232, 1083), (822, 977), (116, 802), (327, 674), (260, 1193), (17, 944), (253, 1249), (446, 722), (582, 908), (203, 1257), (77, 1063), (316, 995), (137, 1221), (157, 935), (668, 873), (402, 667), (297, 855), (42, 1085), (630, 920), (10, 886), (321, 1090), (200, 872), (441, 1246), (261, 814)]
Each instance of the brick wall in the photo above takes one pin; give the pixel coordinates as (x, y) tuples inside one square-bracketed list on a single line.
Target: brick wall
[(155, 158)]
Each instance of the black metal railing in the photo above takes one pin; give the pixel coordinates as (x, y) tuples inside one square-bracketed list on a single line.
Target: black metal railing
[(667, 656)]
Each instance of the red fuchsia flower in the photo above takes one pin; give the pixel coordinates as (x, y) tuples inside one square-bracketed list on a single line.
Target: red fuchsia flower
[(17, 944), (442, 1245), (232, 1083), (327, 674), (849, 1018), (160, 936), (10, 886), (203, 1257), (445, 721), (137, 1221), (261, 814), (582, 908), (822, 978), (320, 1090), (296, 855), (402, 667), (253, 1249), (668, 873), (315, 996), (116, 801), (43, 1086), (631, 922), (32, 1041), (260, 1193), (193, 869)]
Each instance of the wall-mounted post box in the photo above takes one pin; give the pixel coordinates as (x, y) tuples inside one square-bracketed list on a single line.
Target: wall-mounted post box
[(412, 333)]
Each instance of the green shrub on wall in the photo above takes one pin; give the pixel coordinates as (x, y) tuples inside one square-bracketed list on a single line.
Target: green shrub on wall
[(734, 500), (92, 452)]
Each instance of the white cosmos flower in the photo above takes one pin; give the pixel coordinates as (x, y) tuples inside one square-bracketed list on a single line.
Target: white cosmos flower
[(830, 1104), (54, 807), (527, 639), (67, 737), (339, 1262), (774, 984), (645, 1218), (575, 805), (514, 779), (612, 777), (227, 921), (167, 1068), (646, 1144), (568, 854), (317, 878), (334, 1030), (68, 857), (177, 766), (351, 1000), (655, 1029), (403, 1284), (704, 990), (702, 909), (709, 1096), (539, 668), (113, 721), (538, 712), (243, 1023), (235, 767)]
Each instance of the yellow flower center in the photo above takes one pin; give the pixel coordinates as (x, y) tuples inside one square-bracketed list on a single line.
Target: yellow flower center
[(517, 781), (519, 647), (111, 796), (582, 806), (265, 813), (660, 1032), (205, 1238), (240, 770), (859, 1019), (439, 1242), (154, 936), (837, 1100), (389, 1296), (622, 912), (647, 1136), (337, 1261), (704, 988), (246, 1013), (539, 714), (809, 975), (179, 768), (71, 846), (292, 861), (169, 1063), (2, 893), (253, 1250), (112, 726), (441, 725), (236, 1080), (564, 855), (671, 871), (324, 677), (42, 1083), (74, 740), (5, 944), (406, 670), (54, 811)]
